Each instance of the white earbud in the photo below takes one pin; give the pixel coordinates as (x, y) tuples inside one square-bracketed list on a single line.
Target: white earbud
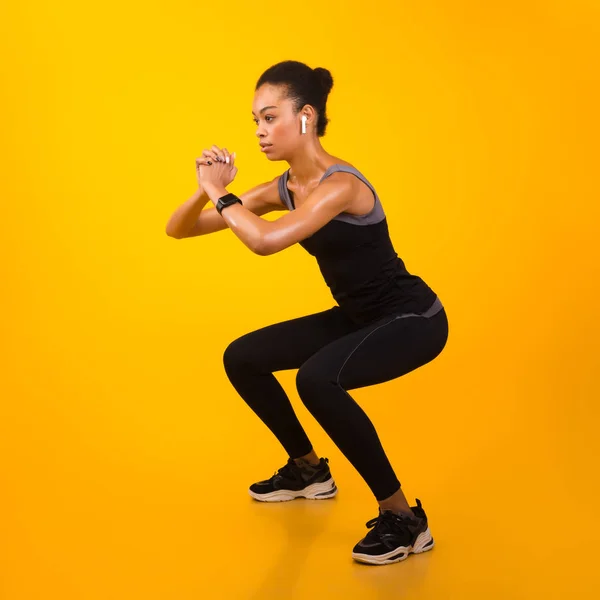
[(304, 123)]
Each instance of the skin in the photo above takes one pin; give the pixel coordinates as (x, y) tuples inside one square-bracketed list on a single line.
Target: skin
[(315, 203)]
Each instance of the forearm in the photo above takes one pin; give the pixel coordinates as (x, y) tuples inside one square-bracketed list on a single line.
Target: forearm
[(186, 215), (247, 226)]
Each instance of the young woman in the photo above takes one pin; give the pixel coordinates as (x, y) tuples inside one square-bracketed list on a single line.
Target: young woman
[(387, 321)]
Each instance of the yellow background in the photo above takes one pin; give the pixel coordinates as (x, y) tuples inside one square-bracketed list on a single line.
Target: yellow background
[(126, 454)]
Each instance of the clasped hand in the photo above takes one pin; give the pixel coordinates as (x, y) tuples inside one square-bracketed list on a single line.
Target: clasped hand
[(215, 168)]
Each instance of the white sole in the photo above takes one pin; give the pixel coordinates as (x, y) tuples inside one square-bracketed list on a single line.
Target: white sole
[(316, 491), (423, 543)]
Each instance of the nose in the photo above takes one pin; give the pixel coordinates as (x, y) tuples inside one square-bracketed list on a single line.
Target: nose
[(260, 132)]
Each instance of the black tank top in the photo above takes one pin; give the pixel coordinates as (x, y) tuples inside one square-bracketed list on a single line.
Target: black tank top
[(367, 278)]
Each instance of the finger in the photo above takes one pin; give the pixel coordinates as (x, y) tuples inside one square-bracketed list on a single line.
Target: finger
[(232, 159), (210, 154), (220, 156), (203, 159), (226, 154)]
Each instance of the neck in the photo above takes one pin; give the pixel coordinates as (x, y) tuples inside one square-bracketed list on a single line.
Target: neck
[(309, 163)]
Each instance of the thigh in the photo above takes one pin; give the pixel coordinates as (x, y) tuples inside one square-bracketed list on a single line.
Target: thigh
[(288, 344), (379, 352)]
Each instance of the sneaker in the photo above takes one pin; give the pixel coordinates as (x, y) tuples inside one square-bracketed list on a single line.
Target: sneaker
[(393, 537), (292, 481)]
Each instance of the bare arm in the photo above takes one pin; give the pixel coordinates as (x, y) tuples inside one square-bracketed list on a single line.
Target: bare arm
[(263, 237), (184, 218), (190, 220)]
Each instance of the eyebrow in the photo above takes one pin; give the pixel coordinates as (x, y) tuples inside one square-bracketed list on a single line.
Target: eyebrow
[(264, 108)]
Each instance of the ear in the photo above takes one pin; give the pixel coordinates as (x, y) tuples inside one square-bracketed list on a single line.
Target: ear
[(309, 112)]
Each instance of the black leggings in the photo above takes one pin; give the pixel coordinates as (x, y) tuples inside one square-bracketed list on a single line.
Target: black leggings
[(332, 355)]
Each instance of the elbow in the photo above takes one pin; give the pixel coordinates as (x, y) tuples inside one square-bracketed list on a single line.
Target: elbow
[(271, 244), (262, 247), (172, 233)]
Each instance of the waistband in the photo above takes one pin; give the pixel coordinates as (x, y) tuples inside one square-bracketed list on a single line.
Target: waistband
[(435, 308)]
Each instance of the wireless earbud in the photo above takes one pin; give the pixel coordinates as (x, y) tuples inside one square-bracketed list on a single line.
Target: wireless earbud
[(304, 123)]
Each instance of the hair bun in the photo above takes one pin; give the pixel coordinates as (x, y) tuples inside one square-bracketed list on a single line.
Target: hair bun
[(325, 79)]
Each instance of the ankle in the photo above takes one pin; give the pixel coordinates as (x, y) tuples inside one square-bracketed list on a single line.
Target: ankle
[(398, 508), (397, 503), (311, 459), (402, 512)]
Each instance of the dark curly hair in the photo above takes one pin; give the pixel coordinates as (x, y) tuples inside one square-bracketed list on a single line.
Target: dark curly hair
[(304, 86)]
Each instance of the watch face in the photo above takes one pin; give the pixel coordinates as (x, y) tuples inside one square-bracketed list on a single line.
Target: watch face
[(228, 201)]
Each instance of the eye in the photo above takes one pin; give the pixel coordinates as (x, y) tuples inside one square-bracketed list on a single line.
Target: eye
[(268, 119)]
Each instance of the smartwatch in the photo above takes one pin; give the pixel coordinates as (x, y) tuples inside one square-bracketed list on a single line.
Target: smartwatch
[(227, 200)]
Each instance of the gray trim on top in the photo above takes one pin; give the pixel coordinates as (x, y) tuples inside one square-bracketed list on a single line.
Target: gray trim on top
[(376, 215)]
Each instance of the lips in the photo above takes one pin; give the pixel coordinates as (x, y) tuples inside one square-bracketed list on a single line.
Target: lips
[(263, 147)]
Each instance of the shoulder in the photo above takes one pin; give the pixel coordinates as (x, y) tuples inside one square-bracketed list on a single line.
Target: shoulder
[(340, 179), (344, 181), (333, 195)]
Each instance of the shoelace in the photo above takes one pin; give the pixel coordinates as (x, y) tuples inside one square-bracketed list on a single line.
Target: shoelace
[(290, 470), (387, 521)]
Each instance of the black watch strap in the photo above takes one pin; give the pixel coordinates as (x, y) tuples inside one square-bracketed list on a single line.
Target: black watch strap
[(227, 200)]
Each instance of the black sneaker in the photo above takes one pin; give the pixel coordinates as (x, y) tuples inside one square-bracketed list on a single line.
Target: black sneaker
[(292, 481), (394, 537)]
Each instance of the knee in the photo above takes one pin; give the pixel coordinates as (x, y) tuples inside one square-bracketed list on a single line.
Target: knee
[(313, 384), (237, 355)]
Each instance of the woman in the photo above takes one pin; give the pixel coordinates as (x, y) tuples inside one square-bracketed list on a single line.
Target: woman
[(387, 322)]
